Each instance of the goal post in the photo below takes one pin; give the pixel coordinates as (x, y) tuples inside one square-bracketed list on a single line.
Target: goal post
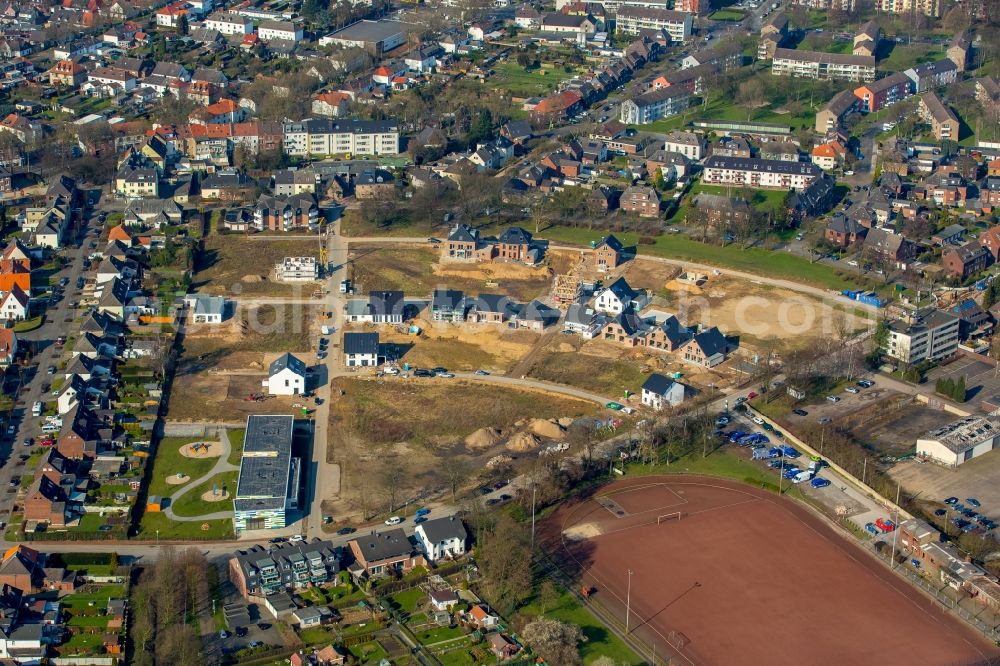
[(676, 515)]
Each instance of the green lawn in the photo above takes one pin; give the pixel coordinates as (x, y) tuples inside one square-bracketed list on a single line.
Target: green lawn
[(520, 83), (174, 530), (371, 652), (236, 442), (169, 461), (600, 641), (408, 600), (727, 15), (29, 324), (191, 503), (728, 109), (82, 644), (904, 56), (752, 260), (85, 596), (316, 635), (438, 634)]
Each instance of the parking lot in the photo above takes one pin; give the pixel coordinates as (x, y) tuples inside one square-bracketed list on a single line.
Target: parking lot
[(848, 404), (981, 378), (839, 497), (979, 478)]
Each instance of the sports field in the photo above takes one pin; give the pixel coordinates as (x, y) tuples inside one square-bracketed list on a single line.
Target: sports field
[(722, 573)]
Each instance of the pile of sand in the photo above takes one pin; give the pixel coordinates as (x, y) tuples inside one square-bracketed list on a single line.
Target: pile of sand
[(483, 438), (565, 422), (177, 479), (546, 428), (253, 278), (523, 442), (676, 285)]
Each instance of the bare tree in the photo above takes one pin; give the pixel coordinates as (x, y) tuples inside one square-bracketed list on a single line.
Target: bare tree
[(392, 475), (556, 642)]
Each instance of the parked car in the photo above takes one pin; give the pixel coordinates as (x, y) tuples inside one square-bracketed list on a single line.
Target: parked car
[(800, 412), (722, 421), (870, 528), (791, 472), (824, 420), (853, 389), (865, 383), (422, 511), (833, 398), (972, 501), (751, 395), (951, 500), (421, 372), (394, 520), (758, 420), (345, 530), (481, 373), (819, 482), (885, 525), (614, 406), (940, 512)]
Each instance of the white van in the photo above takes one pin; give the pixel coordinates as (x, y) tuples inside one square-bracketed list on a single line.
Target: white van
[(802, 476), (36, 409)]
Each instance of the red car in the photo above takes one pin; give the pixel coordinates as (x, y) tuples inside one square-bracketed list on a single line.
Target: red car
[(46, 442), (751, 395), (885, 525)]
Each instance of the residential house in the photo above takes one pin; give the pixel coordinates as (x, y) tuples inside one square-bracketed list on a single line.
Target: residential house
[(378, 554), (932, 75), (843, 231), (831, 115), (441, 538), (659, 391), (286, 376), (331, 104), (890, 246), (708, 348), (618, 297), (14, 305), (375, 184), (829, 155), (965, 260), (448, 305), (205, 309), (361, 349), (608, 253), (641, 200), (879, 94)]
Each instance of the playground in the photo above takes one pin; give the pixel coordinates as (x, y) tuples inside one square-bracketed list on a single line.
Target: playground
[(714, 571), (202, 450)]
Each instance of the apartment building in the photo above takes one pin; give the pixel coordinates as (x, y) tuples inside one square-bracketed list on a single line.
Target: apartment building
[(819, 65), (633, 20), (724, 56), (654, 105), (930, 8), (279, 31), (923, 335), (944, 123), (756, 173), (932, 75), (688, 144), (832, 114), (884, 92), (229, 24), (844, 5), (269, 479), (326, 136)]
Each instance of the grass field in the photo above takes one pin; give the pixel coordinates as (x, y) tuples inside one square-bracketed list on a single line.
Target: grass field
[(408, 600), (727, 109), (231, 259), (753, 260), (236, 438), (168, 530), (520, 83), (169, 461), (191, 503), (604, 376)]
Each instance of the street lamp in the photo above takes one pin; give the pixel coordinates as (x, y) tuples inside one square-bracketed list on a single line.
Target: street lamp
[(628, 600)]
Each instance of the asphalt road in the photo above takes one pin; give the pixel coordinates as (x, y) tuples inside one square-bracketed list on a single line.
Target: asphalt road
[(34, 374)]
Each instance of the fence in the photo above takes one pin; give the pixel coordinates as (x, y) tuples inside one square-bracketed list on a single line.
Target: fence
[(941, 595)]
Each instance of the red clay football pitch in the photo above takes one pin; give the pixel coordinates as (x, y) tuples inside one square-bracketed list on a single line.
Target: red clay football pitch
[(722, 573)]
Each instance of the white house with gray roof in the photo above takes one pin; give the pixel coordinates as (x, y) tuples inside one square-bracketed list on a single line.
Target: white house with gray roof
[(205, 309), (286, 376), (442, 538)]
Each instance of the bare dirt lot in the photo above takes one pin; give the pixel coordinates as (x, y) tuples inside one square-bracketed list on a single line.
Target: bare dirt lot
[(205, 396), (605, 367), (466, 347), (264, 328), (423, 425), (239, 264), (416, 271), (756, 312)]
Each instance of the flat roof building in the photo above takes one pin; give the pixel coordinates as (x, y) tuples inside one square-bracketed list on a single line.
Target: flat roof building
[(374, 36), (961, 440), (268, 484)]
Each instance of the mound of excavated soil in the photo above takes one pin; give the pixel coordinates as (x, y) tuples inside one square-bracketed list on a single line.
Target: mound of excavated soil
[(546, 428), (523, 442), (483, 438), (253, 278)]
